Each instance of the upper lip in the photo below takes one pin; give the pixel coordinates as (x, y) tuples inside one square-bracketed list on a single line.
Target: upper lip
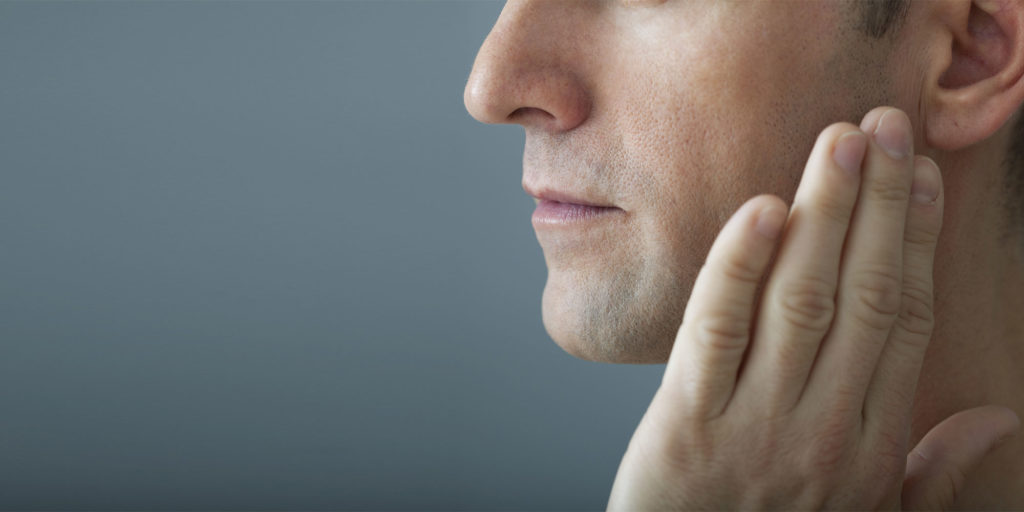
[(553, 194)]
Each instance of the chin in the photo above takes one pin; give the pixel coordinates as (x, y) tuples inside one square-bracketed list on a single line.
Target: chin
[(602, 335)]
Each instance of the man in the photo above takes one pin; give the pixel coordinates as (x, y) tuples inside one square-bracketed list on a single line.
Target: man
[(809, 362)]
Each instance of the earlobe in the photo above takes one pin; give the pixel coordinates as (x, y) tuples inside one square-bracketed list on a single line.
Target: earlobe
[(983, 84)]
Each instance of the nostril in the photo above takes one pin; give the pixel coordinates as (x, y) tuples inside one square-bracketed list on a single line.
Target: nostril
[(524, 115)]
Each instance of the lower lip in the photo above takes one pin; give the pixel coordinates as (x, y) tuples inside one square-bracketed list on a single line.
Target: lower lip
[(553, 213)]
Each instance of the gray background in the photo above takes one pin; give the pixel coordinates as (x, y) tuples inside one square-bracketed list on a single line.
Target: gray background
[(257, 255)]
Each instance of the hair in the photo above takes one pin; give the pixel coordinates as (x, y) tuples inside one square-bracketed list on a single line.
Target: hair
[(882, 18)]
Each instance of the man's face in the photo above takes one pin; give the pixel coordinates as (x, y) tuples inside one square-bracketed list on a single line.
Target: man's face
[(676, 113)]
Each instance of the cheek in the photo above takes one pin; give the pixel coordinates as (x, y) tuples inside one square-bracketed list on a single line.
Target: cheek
[(694, 127), (712, 126), (698, 151), (703, 140), (712, 111)]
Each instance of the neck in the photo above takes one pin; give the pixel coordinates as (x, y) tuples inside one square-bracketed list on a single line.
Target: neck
[(976, 355)]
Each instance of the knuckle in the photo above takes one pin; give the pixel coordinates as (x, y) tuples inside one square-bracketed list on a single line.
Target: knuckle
[(808, 303), (722, 332), (890, 448), (738, 268), (834, 208), (888, 190), (894, 405), (917, 314), (763, 452), (877, 296), (847, 402), (830, 449), (922, 236)]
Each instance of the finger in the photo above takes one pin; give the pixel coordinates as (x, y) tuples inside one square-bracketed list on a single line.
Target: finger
[(716, 325), (871, 273), (939, 464), (799, 298), (890, 396), (870, 120)]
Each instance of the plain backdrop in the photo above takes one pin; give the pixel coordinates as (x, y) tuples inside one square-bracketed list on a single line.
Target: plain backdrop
[(256, 255)]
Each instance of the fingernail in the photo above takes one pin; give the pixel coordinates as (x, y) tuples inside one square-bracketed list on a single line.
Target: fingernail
[(893, 133), (770, 222), (990, 6), (927, 181), (849, 151)]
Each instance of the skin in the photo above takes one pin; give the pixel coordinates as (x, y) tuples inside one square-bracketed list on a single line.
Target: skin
[(679, 113)]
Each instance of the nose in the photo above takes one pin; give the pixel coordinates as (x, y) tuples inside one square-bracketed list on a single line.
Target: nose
[(526, 71)]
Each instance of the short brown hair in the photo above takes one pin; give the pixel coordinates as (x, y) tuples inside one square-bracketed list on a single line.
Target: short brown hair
[(880, 17)]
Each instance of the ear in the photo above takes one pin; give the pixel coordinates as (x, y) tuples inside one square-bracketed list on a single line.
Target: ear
[(978, 83)]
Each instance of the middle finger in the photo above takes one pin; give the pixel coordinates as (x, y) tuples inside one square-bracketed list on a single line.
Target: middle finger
[(870, 280)]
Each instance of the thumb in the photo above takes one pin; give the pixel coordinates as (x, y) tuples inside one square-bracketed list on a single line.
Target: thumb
[(939, 464)]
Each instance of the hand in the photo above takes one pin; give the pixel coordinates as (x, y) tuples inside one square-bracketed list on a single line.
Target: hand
[(802, 398)]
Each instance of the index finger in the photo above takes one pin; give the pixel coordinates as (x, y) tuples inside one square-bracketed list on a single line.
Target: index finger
[(716, 326)]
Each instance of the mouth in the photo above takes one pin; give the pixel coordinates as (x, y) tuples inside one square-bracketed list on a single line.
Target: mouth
[(555, 213), (558, 208), (558, 196)]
